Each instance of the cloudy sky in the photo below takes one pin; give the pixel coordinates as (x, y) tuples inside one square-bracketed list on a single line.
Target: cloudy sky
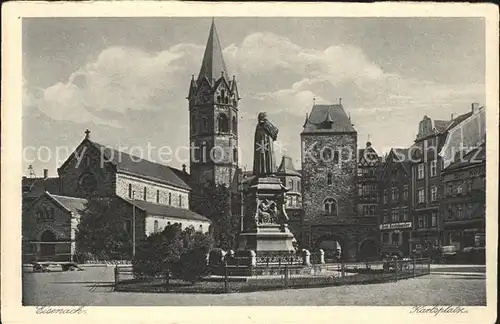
[(126, 79)]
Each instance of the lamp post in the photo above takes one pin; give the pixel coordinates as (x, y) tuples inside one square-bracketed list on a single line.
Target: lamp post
[(133, 224)]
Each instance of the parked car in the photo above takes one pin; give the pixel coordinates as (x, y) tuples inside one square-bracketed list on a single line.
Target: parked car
[(448, 254)]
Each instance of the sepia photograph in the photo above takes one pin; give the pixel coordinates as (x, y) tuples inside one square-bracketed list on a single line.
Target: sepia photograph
[(232, 160)]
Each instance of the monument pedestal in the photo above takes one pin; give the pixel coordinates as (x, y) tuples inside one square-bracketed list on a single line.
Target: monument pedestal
[(265, 228)]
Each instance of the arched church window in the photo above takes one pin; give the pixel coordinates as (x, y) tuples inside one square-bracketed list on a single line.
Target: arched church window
[(193, 124), (330, 206), (235, 155), (222, 94), (235, 125), (223, 123)]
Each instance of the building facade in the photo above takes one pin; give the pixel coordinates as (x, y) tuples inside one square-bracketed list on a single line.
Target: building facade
[(154, 193), (329, 185), (396, 225), (464, 203), (292, 179)]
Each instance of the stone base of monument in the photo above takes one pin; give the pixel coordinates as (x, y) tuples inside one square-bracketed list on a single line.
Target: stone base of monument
[(267, 240)]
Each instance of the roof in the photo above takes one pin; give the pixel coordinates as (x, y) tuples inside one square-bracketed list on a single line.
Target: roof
[(141, 167), (441, 125), (328, 119), (459, 119), (73, 204), (286, 167), (368, 154), (474, 157), (167, 210), (39, 185), (213, 62)]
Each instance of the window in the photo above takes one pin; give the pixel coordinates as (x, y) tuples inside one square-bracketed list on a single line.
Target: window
[(385, 238), (298, 185), (395, 215), (235, 155), (330, 206), (426, 221), (157, 196), (180, 200), (421, 171), (290, 184), (360, 190), (336, 157), (235, 125), (193, 124), (394, 194), (329, 179), (223, 123), (127, 226), (460, 189), (420, 221), (205, 124), (145, 193), (386, 196), (326, 154), (404, 212), (405, 192), (155, 227), (460, 212), (130, 190), (434, 219), (386, 216), (433, 168), (421, 196), (170, 198), (434, 193), (469, 186), (395, 238)]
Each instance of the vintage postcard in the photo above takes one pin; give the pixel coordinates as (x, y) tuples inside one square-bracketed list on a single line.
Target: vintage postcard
[(229, 162)]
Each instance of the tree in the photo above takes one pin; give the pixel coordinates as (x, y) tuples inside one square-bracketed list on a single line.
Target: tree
[(215, 202), (181, 252), (100, 232)]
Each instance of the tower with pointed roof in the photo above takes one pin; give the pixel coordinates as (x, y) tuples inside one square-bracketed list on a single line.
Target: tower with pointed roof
[(213, 112)]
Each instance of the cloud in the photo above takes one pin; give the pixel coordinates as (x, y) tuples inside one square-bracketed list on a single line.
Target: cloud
[(120, 79)]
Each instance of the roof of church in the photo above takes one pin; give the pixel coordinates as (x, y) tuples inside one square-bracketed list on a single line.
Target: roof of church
[(368, 153), (167, 210), (213, 63), (141, 167), (441, 125), (328, 119), (73, 204), (286, 167)]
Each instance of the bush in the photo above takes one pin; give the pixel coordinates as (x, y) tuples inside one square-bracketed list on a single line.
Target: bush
[(160, 253), (192, 265)]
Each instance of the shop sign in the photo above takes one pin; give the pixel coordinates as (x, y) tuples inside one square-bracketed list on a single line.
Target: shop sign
[(395, 225)]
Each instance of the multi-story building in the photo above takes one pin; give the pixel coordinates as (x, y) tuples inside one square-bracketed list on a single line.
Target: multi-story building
[(464, 203), (329, 185), (429, 157), (395, 223)]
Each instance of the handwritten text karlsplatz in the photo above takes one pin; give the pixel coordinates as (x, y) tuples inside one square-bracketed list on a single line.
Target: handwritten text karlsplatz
[(436, 310)]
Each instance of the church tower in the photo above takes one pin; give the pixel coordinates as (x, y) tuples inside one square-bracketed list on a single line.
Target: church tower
[(213, 114)]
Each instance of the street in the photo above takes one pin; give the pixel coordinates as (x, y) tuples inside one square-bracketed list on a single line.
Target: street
[(446, 285)]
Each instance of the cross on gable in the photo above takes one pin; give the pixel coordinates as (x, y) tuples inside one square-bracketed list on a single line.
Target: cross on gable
[(87, 133)]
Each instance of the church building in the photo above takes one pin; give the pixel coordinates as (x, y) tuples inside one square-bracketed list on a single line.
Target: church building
[(158, 195)]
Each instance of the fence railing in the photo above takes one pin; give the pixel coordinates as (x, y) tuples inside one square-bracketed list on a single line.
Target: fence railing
[(264, 277)]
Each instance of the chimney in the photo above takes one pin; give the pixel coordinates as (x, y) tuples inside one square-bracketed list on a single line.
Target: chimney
[(451, 116), (184, 169), (474, 107), (340, 101), (45, 173)]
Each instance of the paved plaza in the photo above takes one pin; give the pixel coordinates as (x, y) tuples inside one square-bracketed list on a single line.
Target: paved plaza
[(450, 285)]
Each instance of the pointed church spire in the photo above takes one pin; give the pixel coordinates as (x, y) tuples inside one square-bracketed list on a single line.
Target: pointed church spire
[(213, 66)]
